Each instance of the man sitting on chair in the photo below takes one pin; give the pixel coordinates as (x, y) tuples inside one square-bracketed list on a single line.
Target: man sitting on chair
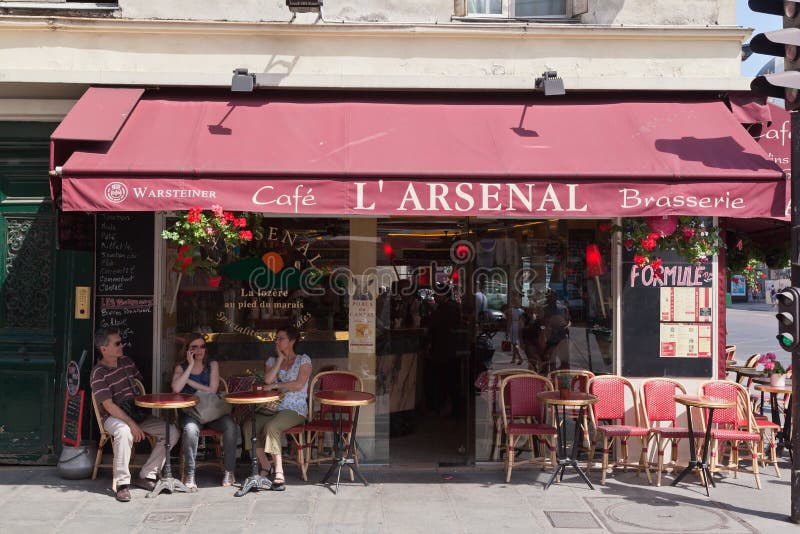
[(112, 385)]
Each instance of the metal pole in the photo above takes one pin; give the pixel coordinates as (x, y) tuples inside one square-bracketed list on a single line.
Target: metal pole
[(795, 251)]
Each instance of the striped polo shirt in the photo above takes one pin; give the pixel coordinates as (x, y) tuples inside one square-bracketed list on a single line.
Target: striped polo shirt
[(113, 382)]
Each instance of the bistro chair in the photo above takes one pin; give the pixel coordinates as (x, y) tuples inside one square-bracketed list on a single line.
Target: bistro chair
[(658, 407), (495, 379), (611, 406), (735, 425), (206, 434), (578, 381), (524, 417), (320, 420), (730, 352), (106, 437)]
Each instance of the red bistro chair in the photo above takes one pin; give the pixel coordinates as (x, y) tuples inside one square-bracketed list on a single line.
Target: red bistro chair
[(610, 406), (524, 417), (495, 379), (726, 424), (659, 407)]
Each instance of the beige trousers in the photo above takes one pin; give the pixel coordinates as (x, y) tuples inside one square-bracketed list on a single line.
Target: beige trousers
[(269, 429), (123, 442)]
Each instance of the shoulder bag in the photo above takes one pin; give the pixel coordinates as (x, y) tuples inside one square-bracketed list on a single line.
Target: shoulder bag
[(209, 408)]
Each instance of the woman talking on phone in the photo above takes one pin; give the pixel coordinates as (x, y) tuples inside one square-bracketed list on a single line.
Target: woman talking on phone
[(288, 372), (195, 373)]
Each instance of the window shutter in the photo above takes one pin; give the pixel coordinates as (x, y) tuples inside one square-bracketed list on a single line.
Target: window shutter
[(577, 7)]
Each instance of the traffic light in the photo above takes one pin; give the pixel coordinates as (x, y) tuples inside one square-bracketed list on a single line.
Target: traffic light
[(789, 319), (783, 43)]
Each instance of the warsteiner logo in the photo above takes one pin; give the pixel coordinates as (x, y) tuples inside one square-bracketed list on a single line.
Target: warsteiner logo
[(116, 192)]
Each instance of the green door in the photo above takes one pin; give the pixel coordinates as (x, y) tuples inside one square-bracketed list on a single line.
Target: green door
[(37, 330)]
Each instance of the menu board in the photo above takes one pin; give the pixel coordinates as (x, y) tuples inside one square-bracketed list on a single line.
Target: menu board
[(73, 419), (124, 253), (133, 317), (667, 322)]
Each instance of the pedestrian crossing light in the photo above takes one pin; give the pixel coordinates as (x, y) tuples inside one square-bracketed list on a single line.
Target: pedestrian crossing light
[(783, 43), (789, 319)]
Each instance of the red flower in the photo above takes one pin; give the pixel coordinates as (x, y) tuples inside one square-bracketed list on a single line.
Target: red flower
[(763, 275), (605, 227), (648, 244), (214, 281), (182, 262), (654, 236), (217, 209), (247, 235), (239, 223), (640, 261), (739, 245), (193, 216), (656, 265), (229, 216), (628, 243), (749, 267)]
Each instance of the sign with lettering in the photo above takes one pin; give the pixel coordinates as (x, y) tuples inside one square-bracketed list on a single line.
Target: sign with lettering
[(492, 197), (124, 253), (73, 419), (667, 326), (133, 317)]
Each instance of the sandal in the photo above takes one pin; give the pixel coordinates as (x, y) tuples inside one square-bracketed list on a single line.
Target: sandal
[(228, 479), (278, 483), (267, 473)]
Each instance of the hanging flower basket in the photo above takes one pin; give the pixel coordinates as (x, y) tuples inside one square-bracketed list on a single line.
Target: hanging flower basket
[(689, 237)]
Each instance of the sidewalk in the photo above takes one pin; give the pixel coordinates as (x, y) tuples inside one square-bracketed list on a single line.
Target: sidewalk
[(752, 306), (35, 500)]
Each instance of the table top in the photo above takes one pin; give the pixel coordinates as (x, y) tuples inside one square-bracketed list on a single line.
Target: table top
[(704, 401), (252, 397), (572, 398), (344, 397), (745, 371), (767, 388), (166, 400), (764, 380)]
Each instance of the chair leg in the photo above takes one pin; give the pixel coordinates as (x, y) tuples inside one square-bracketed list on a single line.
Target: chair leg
[(585, 426), (643, 461), (552, 444), (606, 446), (624, 451), (773, 456), (661, 446), (300, 443), (99, 457), (735, 455), (590, 456), (497, 438), (755, 466), (509, 457)]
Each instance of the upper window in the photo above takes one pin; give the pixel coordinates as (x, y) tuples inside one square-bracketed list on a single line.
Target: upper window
[(517, 8)]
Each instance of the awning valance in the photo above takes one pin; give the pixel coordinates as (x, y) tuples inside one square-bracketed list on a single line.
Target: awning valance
[(432, 154)]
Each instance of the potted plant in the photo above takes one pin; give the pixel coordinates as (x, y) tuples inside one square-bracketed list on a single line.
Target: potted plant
[(773, 369), (564, 386)]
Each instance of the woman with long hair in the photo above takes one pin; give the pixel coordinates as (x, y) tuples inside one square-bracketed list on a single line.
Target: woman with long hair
[(193, 373), (289, 373)]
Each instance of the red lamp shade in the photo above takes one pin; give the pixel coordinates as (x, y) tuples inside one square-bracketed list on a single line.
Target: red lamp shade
[(388, 251), (424, 278), (594, 262)]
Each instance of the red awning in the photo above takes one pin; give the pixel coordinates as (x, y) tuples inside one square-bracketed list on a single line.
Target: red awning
[(339, 154)]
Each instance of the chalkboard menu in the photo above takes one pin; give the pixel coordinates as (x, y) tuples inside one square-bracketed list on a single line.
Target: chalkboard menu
[(124, 253), (73, 419), (124, 282), (133, 317), (667, 327)]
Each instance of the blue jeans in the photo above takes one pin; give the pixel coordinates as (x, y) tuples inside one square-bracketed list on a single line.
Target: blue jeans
[(191, 438)]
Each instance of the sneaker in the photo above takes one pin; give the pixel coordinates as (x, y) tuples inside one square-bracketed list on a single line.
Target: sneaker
[(190, 484), (228, 479), (123, 494)]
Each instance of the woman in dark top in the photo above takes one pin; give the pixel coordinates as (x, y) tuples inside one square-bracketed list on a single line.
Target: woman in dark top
[(196, 373)]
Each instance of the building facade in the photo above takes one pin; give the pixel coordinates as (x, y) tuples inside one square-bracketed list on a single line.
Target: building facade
[(434, 100)]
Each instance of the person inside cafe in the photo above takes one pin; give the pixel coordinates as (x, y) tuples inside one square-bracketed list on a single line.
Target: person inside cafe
[(114, 389), (443, 380), (289, 373), (196, 373)]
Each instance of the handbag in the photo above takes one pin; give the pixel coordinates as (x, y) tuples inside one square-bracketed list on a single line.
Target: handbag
[(209, 407), (505, 346), (137, 413)]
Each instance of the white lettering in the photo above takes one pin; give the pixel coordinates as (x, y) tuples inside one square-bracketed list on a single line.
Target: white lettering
[(410, 196), (550, 197), (360, 197)]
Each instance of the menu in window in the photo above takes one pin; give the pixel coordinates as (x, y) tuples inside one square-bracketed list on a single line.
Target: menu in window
[(682, 340), (686, 304)]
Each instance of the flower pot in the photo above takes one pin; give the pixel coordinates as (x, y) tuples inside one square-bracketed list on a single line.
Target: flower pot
[(665, 225), (777, 380)]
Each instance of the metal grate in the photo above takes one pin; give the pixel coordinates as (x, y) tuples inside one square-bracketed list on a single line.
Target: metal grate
[(166, 517)]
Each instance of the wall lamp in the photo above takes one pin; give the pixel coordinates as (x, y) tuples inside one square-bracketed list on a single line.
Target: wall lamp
[(550, 83), (242, 81)]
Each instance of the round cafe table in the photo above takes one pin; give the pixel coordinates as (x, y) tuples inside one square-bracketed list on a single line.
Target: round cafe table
[(783, 438), (710, 404), (166, 401), (560, 401), (750, 372), (255, 480), (343, 453)]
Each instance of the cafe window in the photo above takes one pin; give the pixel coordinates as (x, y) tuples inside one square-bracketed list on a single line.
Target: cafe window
[(283, 277)]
